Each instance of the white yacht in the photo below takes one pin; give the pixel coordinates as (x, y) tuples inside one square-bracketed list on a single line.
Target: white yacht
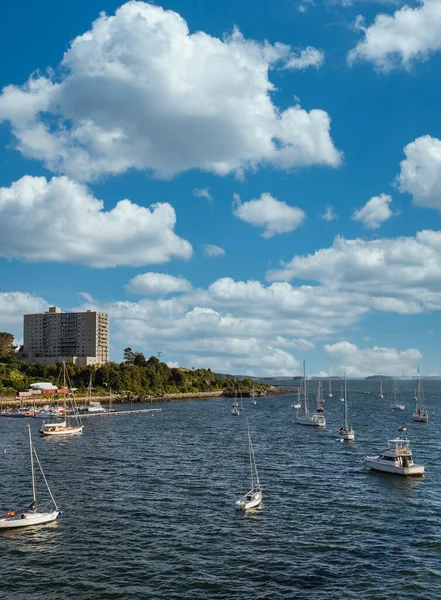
[(397, 458), (96, 407), (306, 418)]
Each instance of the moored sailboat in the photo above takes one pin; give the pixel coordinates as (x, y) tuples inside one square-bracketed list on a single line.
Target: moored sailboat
[(380, 395), (421, 414), (330, 389), (72, 424), (346, 432), (253, 497), (32, 515), (396, 403), (306, 418), (320, 399)]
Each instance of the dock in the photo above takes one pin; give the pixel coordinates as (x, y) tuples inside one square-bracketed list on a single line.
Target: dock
[(120, 412)]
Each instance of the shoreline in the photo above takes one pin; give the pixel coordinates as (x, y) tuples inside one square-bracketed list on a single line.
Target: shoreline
[(39, 401)]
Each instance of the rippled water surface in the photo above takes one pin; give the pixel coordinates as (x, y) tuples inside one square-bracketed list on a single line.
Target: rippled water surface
[(148, 506)]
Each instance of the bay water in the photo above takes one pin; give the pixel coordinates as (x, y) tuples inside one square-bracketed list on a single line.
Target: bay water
[(148, 505)]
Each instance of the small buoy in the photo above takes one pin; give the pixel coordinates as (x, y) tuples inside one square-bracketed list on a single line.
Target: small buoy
[(402, 428)]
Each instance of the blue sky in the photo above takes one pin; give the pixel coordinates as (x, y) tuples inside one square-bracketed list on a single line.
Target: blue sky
[(172, 164)]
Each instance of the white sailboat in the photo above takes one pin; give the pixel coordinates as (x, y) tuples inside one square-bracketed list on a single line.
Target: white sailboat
[(380, 395), (346, 432), (32, 515), (253, 397), (330, 389), (253, 498), (421, 414), (320, 399), (306, 418), (396, 403), (342, 395), (296, 403), (72, 424), (235, 411)]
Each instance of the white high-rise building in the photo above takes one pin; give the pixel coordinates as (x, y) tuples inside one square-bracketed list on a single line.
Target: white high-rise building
[(81, 338)]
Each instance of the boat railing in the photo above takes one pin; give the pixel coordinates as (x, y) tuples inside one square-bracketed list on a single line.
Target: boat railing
[(399, 445)]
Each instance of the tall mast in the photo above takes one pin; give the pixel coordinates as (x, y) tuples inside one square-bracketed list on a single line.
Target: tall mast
[(34, 495), (305, 391), (250, 450), (419, 388), (346, 404)]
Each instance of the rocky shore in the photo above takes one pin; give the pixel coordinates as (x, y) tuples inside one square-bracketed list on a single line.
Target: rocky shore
[(39, 401)]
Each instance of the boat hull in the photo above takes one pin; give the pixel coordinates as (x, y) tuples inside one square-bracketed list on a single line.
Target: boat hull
[(245, 503), (420, 418), (311, 421), (347, 435), (378, 465), (62, 431), (28, 520)]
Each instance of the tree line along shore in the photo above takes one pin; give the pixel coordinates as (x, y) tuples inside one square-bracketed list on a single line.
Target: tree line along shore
[(135, 379)]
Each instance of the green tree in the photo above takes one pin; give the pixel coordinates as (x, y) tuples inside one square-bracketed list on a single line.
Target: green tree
[(6, 344), (129, 356)]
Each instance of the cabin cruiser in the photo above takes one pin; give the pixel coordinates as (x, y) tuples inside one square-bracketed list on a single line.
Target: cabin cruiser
[(397, 458), (95, 407)]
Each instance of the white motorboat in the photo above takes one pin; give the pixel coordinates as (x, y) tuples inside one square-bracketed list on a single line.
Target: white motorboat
[(397, 459), (396, 403), (96, 407), (32, 515), (421, 414), (72, 424), (346, 432), (253, 497), (307, 418)]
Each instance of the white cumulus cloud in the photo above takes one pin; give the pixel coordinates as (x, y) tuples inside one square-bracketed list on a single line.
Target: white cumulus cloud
[(401, 274), (140, 91), (420, 173), (269, 213), (203, 193), (374, 212), (329, 214), (394, 41), (213, 250), (13, 305), (60, 220), (158, 284), (308, 57), (346, 356)]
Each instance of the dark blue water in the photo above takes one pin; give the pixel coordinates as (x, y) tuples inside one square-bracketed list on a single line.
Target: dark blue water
[(148, 506)]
